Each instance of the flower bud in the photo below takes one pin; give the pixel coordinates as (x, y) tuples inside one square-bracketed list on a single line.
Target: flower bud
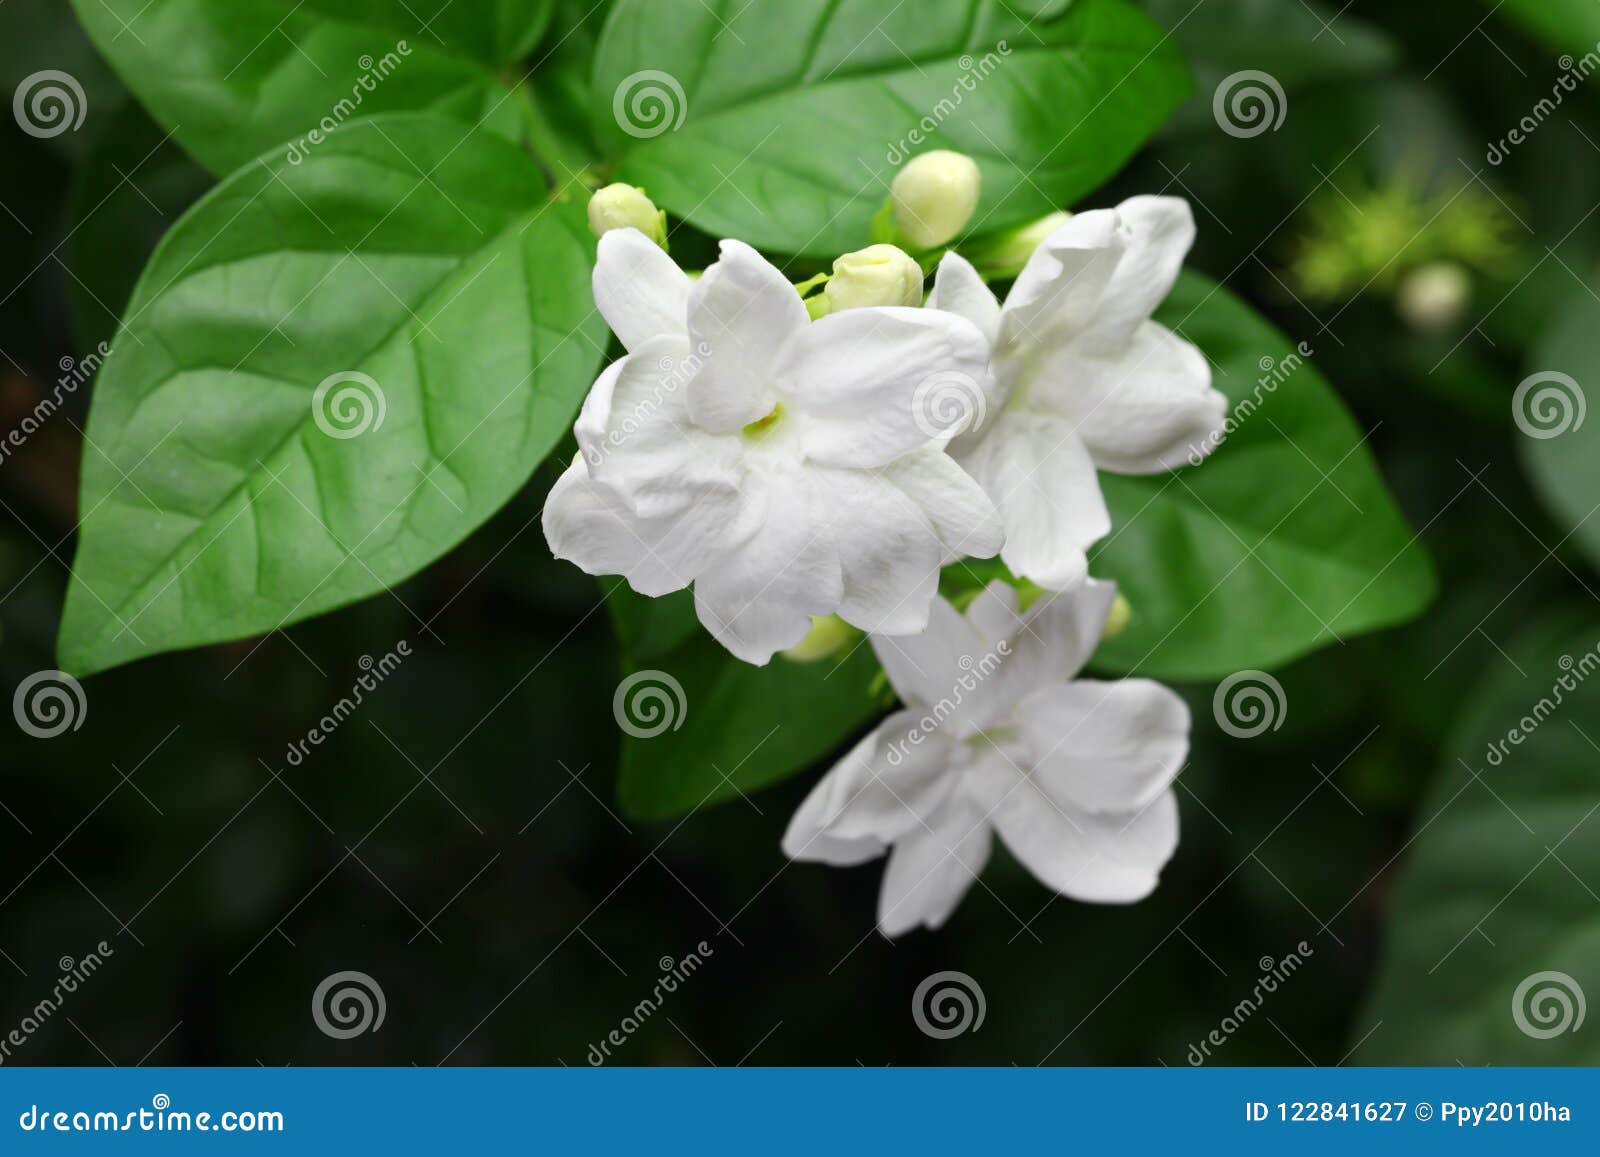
[(934, 197), (622, 206), (1120, 616), (1002, 256), (876, 275), (829, 635), (1434, 296)]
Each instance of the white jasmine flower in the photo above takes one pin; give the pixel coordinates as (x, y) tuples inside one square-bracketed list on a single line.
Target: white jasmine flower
[(775, 463), (998, 735), (1082, 379)]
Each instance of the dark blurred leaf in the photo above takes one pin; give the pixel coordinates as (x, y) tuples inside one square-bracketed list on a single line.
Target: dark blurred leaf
[(1498, 884), (219, 504), (792, 150), (1559, 440), (734, 728), (233, 78), (1284, 540)]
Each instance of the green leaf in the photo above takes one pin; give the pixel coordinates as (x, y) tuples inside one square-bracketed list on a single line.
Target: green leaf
[(1557, 438), (738, 727), (216, 502), (1283, 540), (1497, 884), (792, 150), (233, 78)]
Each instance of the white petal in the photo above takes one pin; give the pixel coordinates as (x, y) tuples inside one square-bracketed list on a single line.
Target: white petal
[(1039, 474), (639, 290), (1160, 231), (740, 313), (1107, 858), (931, 868), (872, 384), (889, 553), (651, 453), (962, 515), (585, 523), (923, 668), (890, 783), (758, 597), (958, 289), (1105, 746), (1061, 634), (1057, 294), (994, 612), (1145, 409)]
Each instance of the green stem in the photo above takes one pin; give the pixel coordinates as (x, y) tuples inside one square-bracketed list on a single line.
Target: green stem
[(569, 169)]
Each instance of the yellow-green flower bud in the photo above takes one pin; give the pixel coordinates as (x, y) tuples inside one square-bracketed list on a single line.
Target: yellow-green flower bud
[(1002, 257), (1118, 619), (1433, 297), (934, 197), (622, 206), (829, 635), (876, 275)]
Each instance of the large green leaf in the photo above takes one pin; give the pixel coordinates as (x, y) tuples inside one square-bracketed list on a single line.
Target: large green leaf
[(781, 124), (737, 727), (216, 502), (1283, 540), (233, 78), (1499, 880), (1557, 437)]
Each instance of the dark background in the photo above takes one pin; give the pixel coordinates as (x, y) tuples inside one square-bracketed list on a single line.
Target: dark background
[(457, 839)]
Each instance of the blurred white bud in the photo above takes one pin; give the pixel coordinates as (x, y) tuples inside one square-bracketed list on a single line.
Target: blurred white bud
[(1120, 616), (934, 197), (876, 275), (1434, 297), (622, 206)]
